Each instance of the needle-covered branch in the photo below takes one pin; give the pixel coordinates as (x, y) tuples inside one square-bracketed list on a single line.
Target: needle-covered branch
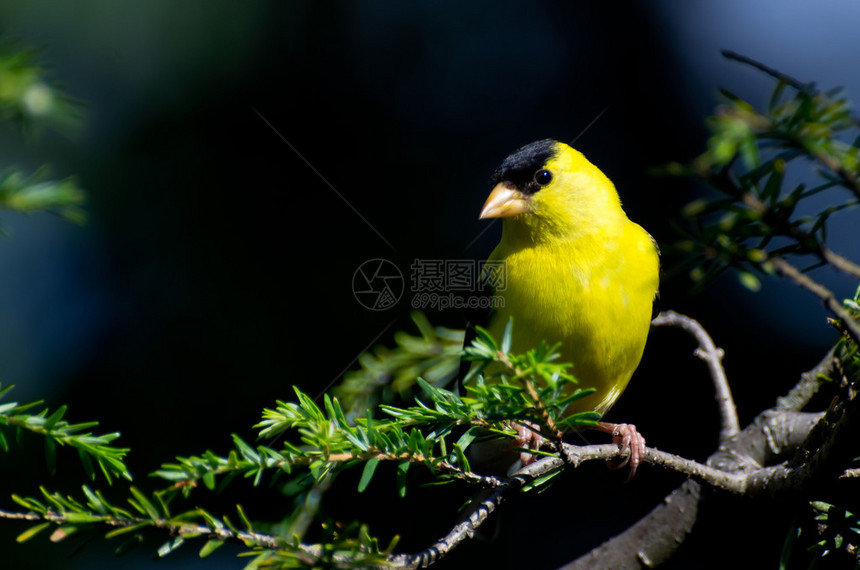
[(92, 449), (319, 442), (748, 156), (433, 354), (72, 515), (324, 440)]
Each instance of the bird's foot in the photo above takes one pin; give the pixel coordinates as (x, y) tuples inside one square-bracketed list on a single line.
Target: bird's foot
[(528, 437), (628, 439)]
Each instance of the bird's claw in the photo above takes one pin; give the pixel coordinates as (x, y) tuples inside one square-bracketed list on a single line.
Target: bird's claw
[(529, 437), (628, 439)]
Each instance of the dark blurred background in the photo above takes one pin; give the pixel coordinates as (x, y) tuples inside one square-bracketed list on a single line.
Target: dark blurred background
[(216, 268)]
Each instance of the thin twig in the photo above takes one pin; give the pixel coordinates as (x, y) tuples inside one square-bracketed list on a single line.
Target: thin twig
[(467, 528), (310, 554), (803, 238), (776, 74), (822, 292), (713, 357), (555, 433), (849, 178), (180, 528)]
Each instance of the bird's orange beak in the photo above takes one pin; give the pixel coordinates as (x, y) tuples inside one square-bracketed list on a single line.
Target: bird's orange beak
[(503, 202)]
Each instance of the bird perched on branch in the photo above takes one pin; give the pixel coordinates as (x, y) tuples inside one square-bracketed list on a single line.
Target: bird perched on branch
[(577, 272)]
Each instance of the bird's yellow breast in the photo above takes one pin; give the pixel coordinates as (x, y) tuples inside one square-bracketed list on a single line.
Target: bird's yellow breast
[(594, 295)]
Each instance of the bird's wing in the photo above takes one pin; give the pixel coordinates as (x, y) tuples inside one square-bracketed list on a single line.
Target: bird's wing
[(655, 306)]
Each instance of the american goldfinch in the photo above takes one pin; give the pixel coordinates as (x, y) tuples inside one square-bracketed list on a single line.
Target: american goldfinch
[(577, 272)]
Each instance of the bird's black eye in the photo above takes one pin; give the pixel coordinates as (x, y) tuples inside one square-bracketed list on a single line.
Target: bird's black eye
[(543, 177)]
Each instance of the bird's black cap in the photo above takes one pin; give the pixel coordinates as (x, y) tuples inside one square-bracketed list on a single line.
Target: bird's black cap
[(520, 166)]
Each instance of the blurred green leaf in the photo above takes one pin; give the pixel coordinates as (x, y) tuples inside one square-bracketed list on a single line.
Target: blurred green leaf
[(367, 473), (31, 532)]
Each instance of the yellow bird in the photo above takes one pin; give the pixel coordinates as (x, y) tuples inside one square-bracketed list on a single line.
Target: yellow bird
[(577, 272)]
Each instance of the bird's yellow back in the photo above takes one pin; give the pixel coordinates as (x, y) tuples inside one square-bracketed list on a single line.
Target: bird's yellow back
[(578, 271)]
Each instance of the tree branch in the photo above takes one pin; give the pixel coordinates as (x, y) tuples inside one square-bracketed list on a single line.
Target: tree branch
[(713, 357), (655, 537), (822, 292), (738, 471), (810, 381), (467, 528), (737, 467), (180, 528), (752, 479)]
